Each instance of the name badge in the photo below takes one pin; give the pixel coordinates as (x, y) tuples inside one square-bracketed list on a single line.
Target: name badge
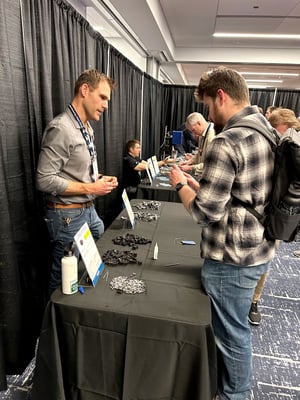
[(95, 172)]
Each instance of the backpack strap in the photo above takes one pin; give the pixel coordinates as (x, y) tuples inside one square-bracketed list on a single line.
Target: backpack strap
[(271, 135), (273, 139), (261, 218)]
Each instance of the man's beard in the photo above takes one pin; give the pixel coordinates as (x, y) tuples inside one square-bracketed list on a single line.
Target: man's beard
[(218, 128)]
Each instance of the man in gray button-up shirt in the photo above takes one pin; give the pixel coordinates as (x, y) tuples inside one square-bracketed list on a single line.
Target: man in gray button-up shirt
[(67, 168)]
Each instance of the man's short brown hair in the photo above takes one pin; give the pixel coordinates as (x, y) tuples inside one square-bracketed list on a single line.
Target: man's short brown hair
[(92, 77), (229, 80)]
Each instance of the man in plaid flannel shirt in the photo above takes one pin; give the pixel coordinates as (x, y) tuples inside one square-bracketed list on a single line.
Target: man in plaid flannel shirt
[(239, 162)]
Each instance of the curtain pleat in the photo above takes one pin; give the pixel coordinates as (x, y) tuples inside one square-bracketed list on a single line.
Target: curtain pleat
[(153, 127), (22, 259), (288, 99), (122, 122), (262, 98), (179, 102)]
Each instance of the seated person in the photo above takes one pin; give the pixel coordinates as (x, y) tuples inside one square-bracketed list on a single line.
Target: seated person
[(204, 132), (133, 165)]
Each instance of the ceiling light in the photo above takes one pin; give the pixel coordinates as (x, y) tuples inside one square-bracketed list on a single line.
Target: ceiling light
[(258, 87), (265, 80), (256, 35), (269, 73)]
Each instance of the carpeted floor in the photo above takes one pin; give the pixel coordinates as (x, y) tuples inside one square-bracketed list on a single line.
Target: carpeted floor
[(276, 341)]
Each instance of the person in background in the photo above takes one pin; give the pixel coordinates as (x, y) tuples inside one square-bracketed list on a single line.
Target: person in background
[(285, 122), (254, 316), (269, 111), (283, 119), (260, 109), (67, 170), (204, 132), (189, 143), (239, 162), (133, 165)]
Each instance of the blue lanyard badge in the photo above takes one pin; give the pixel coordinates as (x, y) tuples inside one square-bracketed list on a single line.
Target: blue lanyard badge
[(89, 142), (86, 136)]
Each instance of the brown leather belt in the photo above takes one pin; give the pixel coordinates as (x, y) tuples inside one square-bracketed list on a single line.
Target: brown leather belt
[(88, 204)]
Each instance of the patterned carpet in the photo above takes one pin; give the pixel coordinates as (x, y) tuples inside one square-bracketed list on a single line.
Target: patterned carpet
[(276, 341)]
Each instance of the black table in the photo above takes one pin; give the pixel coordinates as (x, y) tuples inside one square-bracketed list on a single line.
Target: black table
[(155, 345), (159, 189)]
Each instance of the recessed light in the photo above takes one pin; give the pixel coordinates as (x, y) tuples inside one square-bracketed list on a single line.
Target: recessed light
[(258, 87), (269, 73), (265, 80), (256, 35)]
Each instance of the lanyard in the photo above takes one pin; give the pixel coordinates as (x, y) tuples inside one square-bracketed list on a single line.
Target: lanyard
[(86, 136)]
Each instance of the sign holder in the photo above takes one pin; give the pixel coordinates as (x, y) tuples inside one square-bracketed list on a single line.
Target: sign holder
[(89, 253)]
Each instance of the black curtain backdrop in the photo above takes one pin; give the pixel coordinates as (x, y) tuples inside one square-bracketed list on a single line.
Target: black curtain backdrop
[(279, 98), (153, 126), (288, 99), (179, 102), (44, 46), (122, 122), (23, 255), (262, 98)]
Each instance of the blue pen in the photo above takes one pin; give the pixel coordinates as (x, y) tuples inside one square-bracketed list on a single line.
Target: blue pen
[(81, 289)]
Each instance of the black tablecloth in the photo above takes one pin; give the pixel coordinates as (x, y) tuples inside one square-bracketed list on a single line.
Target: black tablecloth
[(155, 345), (159, 189)]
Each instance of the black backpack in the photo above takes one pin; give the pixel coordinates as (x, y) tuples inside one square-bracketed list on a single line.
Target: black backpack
[(282, 215)]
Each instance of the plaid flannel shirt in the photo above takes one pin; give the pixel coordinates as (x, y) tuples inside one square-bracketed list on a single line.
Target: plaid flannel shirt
[(239, 161)]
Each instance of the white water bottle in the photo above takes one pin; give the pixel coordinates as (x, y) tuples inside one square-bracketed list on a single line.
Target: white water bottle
[(69, 272)]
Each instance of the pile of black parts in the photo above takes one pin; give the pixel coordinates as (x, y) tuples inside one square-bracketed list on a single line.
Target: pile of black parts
[(124, 257), (116, 257), (130, 240)]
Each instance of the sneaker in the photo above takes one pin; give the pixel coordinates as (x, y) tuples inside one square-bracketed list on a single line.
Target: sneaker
[(297, 253), (254, 316)]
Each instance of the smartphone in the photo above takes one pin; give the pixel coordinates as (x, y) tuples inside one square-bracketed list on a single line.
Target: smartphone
[(188, 242)]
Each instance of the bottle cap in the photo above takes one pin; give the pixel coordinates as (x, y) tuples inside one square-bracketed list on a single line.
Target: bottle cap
[(68, 253)]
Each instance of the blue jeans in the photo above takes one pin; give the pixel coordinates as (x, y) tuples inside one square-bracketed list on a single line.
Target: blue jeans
[(63, 224), (231, 289)]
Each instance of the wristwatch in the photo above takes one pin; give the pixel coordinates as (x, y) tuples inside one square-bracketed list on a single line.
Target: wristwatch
[(180, 186)]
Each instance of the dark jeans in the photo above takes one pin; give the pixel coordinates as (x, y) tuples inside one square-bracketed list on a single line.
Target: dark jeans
[(62, 225), (231, 289)]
